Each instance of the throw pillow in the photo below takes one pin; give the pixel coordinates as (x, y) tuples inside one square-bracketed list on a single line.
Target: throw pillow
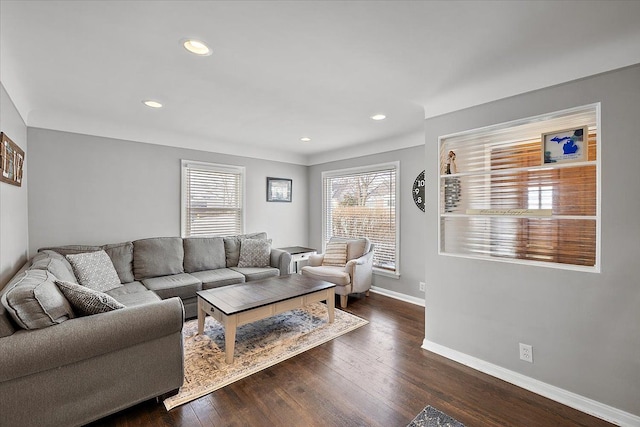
[(255, 253), (95, 270), (335, 254), (86, 301)]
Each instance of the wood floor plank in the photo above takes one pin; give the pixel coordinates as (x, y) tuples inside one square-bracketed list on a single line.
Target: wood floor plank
[(377, 375)]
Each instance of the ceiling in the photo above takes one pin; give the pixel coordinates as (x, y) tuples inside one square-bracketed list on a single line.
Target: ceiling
[(282, 70)]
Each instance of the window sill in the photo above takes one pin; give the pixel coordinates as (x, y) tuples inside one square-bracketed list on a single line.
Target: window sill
[(386, 273)]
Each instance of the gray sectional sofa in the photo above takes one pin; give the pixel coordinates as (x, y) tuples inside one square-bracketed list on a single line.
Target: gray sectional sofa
[(63, 369)]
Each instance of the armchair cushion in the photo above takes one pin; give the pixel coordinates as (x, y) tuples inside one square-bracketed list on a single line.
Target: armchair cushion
[(328, 273), (355, 247)]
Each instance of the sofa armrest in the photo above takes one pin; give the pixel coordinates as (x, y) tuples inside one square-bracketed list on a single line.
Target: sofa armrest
[(29, 352), (281, 260)]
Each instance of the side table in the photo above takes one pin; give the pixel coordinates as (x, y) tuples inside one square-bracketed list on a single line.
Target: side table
[(298, 254)]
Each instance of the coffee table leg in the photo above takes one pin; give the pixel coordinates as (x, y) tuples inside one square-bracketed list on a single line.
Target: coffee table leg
[(230, 325), (331, 303), (201, 315)]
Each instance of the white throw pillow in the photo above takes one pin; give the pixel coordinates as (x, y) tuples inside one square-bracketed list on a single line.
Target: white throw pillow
[(95, 270), (335, 254)]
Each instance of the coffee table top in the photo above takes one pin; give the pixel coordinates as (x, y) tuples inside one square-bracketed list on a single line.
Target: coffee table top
[(234, 299)]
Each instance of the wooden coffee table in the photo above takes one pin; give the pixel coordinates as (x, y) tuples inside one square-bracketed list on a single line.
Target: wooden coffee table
[(237, 305)]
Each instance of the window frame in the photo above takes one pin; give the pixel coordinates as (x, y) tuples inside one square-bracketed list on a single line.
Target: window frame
[(215, 167), (596, 108), (395, 165)]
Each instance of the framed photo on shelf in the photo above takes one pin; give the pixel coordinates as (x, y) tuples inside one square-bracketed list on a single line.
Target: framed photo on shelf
[(11, 161), (279, 189), (569, 145)]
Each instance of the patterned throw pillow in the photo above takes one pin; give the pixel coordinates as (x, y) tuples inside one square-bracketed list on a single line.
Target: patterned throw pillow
[(86, 301), (95, 270), (335, 254), (255, 253)]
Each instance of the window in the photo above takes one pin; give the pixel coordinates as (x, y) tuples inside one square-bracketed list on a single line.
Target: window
[(212, 199), (361, 202), (500, 200)]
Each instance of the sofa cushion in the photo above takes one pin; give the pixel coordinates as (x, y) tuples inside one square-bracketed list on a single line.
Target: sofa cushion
[(178, 285), (158, 256), (232, 246), (255, 253), (126, 289), (86, 301), (257, 273), (34, 301), (219, 277), (134, 293), (55, 264), (331, 274), (71, 249), (121, 255), (203, 253), (95, 270), (335, 254), (6, 325)]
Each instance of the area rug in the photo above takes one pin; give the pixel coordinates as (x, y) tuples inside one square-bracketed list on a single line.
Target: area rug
[(431, 417), (258, 345)]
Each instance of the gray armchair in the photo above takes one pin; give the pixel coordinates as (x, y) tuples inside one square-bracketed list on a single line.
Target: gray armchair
[(353, 277)]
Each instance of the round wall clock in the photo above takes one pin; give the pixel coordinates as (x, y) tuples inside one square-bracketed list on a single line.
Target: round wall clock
[(418, 191)]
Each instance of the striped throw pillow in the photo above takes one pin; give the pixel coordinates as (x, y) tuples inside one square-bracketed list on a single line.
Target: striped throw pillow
[(335, 254)]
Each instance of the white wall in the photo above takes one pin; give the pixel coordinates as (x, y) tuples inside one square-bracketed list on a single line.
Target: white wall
[(584, 327), (412, 226), (92, 190), (14, 233)]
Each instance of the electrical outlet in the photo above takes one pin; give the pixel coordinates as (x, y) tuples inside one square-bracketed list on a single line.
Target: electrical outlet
[(421, 286), (526, 353)]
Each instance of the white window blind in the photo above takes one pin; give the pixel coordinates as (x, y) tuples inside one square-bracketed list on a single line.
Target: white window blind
[(362, 203), (212, 199), (499, 200)]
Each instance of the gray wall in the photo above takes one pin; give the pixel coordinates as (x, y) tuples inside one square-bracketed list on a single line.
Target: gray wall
[(14, 232), (412, 228), (584, 327), (85, 189)]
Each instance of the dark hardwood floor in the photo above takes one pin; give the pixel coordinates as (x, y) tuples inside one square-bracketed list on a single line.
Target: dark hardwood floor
[(374, 376)]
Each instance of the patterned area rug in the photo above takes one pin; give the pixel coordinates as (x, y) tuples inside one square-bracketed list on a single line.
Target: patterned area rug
[(431, 417), (258, 345)]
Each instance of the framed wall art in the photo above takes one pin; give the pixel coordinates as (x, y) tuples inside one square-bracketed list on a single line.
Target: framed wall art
[(279, 189), (11, 161), (569, 145)]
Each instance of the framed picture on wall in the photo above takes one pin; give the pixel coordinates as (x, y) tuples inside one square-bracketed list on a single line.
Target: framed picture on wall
[(279, 189), (11, 161), (569, 145)]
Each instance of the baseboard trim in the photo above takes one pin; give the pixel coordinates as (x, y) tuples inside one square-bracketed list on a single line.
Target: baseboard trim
[(397, 295), (573, 400)]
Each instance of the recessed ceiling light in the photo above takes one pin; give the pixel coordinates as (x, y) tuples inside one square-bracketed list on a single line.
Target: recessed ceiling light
[(378, 117), (197, 47), (305, 139), (152, 104)]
